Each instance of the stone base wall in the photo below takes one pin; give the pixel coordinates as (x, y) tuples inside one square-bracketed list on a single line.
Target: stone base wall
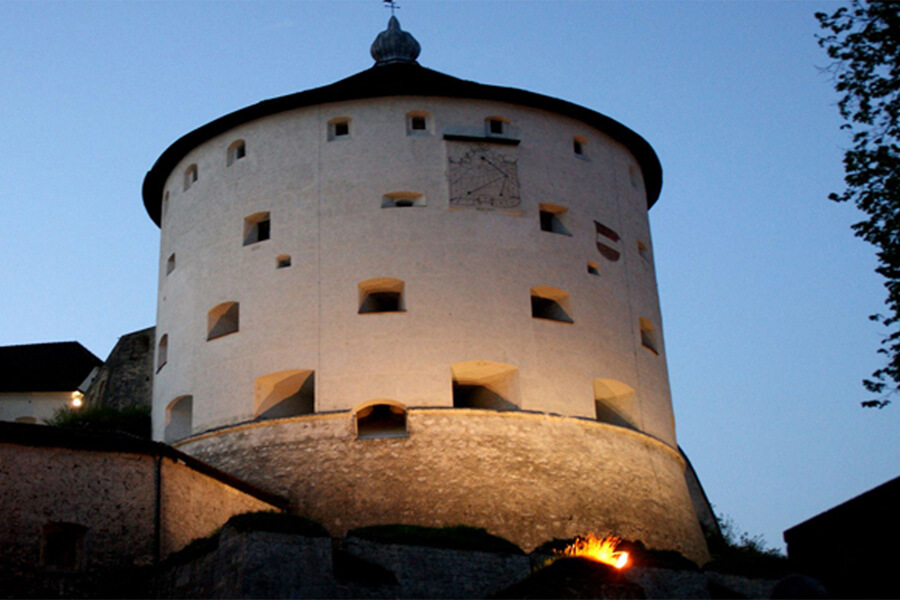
[(111, 494), (80, 516), (526, 477), (195, 506), (261, 564)]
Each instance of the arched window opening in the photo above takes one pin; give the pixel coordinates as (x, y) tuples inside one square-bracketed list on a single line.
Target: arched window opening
[(257, 228), (402, 200), (165, 206), (495, 126), (633, 176), (648, 336), (179, 419), (418, 122), (236, 151), (486, 385), (643, 251), (222, 320), (283, 260), (190, 176), (579, 146), (339, 128), (62, 546), (162, 352), (382, 294), (284, 394), (550, 303), (553, 218), (615, 403), (170, 263), (381, 420)]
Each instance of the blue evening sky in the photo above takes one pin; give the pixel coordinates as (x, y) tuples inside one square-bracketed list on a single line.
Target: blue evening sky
[(765, 292)]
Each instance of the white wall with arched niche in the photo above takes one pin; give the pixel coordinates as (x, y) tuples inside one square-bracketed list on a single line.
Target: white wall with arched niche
[(380, 419), (468, 268), (284, 394), (179, 419), (485, 384), (616, 403)]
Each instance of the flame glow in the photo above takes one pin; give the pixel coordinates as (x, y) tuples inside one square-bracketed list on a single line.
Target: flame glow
[(599, 549)]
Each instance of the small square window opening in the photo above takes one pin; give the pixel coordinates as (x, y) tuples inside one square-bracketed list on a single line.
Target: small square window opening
[(553, 218), (257, 228)]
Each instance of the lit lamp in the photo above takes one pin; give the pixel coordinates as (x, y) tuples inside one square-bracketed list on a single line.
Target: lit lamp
[(77, 399)]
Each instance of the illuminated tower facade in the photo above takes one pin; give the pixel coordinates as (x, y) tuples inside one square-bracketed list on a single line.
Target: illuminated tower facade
[(410, 298)]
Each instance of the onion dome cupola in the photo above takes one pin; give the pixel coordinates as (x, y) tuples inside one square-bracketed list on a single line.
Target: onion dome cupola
[(393, 45)]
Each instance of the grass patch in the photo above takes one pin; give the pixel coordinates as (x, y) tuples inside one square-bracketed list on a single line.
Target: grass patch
[(459, 537), (275, 522), (134, 420)]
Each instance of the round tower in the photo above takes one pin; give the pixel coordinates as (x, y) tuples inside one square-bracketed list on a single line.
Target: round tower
[(410, 298)]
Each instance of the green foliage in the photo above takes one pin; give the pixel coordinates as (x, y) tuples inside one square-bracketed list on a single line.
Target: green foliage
[(739, 553), (863, 40), (277, 523), (458, 538), (135, 420)]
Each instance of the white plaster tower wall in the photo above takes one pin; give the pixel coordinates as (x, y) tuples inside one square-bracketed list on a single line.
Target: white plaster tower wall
[(458, 262), (467, 273)]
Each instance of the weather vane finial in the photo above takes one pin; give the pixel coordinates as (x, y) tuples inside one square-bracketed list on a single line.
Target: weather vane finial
[(392, 4), (393, 45)]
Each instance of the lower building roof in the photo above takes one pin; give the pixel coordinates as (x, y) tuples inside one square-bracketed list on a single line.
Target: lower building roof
[(50, 367)]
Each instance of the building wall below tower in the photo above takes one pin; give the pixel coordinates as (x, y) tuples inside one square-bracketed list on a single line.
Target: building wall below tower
[(527, 477)]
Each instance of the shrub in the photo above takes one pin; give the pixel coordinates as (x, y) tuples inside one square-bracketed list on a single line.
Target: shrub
[(742, 554), (134, 420)]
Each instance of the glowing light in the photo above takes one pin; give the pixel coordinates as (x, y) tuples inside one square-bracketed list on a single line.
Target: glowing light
[(77, 399), (600, 549)]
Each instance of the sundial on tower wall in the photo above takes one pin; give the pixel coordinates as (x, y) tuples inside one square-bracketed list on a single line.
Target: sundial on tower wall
[(483, 176)]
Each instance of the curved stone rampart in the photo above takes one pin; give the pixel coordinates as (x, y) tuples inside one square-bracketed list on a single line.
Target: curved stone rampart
[(528, 477)]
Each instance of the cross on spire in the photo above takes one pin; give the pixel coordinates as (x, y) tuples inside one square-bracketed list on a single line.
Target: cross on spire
[(392, 4)]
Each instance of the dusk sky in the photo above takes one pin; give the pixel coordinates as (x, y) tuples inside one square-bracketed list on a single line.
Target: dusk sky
[(765, 292)]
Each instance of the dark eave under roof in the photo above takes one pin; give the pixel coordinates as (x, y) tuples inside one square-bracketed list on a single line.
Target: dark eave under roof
[(401, 79)]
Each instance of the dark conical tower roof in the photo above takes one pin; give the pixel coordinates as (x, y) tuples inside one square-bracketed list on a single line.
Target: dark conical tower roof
[(393, 45)]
